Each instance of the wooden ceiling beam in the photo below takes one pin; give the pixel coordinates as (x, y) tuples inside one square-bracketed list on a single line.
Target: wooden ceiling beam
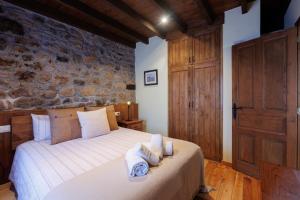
[(135, 15), (206, 10), (43, 9), (244, 5), (106, 19), (170, 12)]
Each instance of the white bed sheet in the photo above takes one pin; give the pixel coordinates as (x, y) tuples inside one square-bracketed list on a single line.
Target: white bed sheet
[(39, 167)]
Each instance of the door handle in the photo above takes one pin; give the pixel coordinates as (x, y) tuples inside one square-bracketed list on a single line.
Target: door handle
[(235, 108)]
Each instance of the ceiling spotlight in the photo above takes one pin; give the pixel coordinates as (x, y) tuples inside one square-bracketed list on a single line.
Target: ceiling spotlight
[(164, 20)]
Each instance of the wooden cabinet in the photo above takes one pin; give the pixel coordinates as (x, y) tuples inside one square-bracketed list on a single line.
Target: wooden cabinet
[(194, 91), (134, 124)]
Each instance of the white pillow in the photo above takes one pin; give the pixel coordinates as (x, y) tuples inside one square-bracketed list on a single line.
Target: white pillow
[(93, 123), (41, 127)]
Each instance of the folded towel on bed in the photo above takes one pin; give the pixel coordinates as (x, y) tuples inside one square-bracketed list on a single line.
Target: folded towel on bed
[(156, 145), (142, 151), (168, 148), (137, 166)]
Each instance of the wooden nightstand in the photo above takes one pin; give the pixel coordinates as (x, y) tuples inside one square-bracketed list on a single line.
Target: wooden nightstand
[(134, 124)]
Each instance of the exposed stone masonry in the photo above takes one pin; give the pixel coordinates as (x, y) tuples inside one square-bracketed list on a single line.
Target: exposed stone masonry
[(44, 63)]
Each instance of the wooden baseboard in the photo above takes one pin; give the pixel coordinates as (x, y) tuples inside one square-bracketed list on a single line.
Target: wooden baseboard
[(226, 163)]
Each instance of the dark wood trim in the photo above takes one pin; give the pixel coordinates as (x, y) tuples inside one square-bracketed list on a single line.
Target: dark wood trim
[(104, 18), (221, 94), (244, 5), (226, 163), (298, 89), (41, 8), (297, 22), (206, 28), (292, 125), (205, 8), (141, 19), (168, 10)]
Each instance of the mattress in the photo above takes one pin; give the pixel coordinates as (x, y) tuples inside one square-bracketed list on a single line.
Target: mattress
[(41, 170)]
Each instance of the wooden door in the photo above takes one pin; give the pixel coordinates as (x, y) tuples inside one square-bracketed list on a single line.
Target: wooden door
[(264, 91), (206, 94), (180, 53)]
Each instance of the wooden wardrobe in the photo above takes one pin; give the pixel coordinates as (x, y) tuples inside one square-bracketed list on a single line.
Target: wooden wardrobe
[(194, 91)]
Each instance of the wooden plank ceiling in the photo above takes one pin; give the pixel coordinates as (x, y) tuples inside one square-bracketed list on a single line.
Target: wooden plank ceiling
[(131, 21)]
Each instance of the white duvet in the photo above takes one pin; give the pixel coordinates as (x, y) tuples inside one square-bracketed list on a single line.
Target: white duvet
[(39, 167)]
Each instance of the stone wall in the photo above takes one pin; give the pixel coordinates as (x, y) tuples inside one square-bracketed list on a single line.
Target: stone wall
[(45, 63)]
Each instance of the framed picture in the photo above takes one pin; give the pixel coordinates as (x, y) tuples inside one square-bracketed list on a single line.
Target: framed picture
[(150, 77)]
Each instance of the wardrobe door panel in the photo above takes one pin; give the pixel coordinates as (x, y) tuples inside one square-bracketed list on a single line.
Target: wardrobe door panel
[(206, 113), (179, 105), (207, 94), (180, 53), (206, 47)]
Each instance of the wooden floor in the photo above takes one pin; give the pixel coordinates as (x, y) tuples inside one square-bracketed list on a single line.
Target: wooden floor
[(230, 184), (227, 184)]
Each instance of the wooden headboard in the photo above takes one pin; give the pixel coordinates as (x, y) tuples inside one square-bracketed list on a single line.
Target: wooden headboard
[(21, 125), (21, 122)]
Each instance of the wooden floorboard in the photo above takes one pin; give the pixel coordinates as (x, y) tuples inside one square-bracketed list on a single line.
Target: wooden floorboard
[(228, 184)]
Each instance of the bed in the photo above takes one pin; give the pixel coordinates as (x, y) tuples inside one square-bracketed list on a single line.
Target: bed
[(96, 169)]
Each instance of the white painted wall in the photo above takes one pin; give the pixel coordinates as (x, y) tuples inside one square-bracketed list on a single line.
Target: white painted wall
[(292, 14), (153, 100), (237, 28)]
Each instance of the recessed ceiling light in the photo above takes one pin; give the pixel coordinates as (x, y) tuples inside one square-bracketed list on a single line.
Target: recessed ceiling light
[(164, 20)]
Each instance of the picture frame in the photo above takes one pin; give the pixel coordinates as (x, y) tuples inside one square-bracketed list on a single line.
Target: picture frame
[(151, 77)]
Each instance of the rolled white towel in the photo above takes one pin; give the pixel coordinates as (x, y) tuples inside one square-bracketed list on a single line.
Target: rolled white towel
[(168, 148), (142, 151), (156, 145), (137, 166)]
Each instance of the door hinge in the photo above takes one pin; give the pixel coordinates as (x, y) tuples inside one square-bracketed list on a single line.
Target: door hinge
[(298, 111), (298, 40)]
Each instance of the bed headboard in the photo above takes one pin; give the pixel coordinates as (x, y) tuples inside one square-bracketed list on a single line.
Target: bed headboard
[(21, 122), (21, 125)]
